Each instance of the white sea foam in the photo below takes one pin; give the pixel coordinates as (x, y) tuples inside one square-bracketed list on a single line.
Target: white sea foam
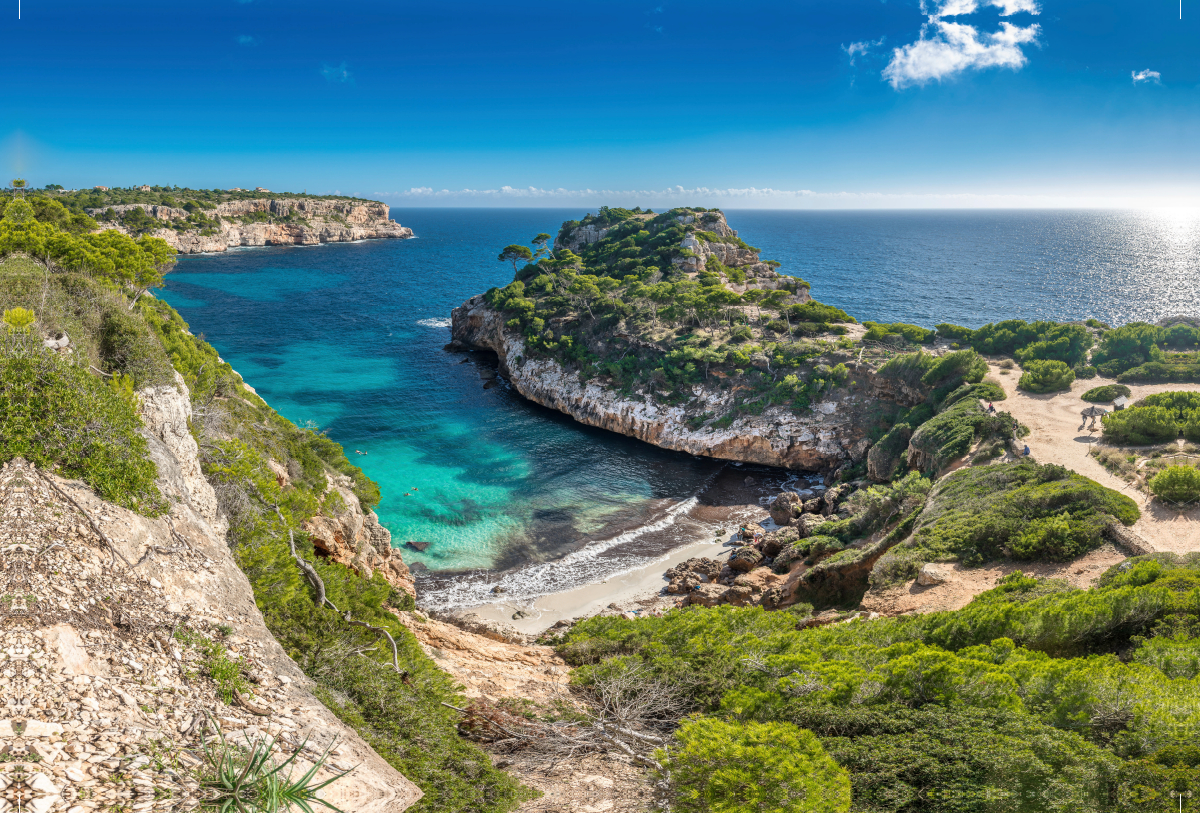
[(580, 567), (434, 322)]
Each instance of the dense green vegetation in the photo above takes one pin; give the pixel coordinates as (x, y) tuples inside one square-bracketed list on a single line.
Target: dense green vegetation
[(1034, 698), (1015, 510), (627, 308), (1140, 352), (1155, 419), (1026, 341), (76, 412), (1107, 393), (1177, 484), (1046, 376)]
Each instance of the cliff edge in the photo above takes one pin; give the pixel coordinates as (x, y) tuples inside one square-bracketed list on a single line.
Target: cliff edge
[(260, 222)]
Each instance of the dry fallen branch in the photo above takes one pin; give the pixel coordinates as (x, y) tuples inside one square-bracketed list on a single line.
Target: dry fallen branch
[(112, 548)]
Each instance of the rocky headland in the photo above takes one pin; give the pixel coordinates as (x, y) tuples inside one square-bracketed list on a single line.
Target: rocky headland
[(263, 222)]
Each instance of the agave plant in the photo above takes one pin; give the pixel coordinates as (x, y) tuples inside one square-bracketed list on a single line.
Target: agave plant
[(249, 780)]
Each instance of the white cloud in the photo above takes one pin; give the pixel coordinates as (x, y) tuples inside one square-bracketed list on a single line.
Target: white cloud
[(946, 49), (956, 8), (336, 73), (1147, 76), (857, 49), (246, 39)]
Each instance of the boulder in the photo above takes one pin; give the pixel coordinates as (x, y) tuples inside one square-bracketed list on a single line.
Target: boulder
[(686, 576), (812, 506), (418, 545), (707, 595), (785, 508), (932, 574), (776, 541), (832, 498), (806, 524), (745, 559)]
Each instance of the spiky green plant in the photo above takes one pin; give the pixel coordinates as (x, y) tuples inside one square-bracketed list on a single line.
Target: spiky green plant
[(239, 780)]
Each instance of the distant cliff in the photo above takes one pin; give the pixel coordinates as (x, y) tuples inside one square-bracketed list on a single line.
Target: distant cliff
[(260, 222)]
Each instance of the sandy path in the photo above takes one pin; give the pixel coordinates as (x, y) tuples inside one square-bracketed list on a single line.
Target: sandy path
[(1056, 436)]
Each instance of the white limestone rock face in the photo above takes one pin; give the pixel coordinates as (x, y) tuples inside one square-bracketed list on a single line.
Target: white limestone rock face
[(165, 412), (821, 440), (320, 221)]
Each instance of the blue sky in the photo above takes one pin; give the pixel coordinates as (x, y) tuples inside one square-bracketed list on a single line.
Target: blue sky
[(837, 103)]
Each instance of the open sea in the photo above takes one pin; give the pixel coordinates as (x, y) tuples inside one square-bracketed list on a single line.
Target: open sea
[(350, 336)]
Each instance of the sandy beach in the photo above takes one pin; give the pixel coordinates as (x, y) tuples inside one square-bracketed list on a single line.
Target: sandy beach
[(624, 590)]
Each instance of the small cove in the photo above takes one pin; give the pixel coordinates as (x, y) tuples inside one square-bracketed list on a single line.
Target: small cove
[(349, 337)]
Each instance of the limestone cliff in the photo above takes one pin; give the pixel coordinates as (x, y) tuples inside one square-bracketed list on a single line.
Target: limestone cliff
[(267, 222), (826, 438), (110, 621)]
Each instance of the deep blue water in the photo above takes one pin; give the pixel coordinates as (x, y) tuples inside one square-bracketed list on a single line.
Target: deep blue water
[(350, 337)]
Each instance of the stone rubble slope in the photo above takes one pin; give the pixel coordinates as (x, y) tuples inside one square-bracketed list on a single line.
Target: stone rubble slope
[(326, 221), (109, 619)]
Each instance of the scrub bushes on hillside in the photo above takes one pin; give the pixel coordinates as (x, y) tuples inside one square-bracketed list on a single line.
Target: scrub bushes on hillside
[(1018, 510), (1107, 393), (1177, 484), (63, 418), (1046, 376), (950, 434), (720, 767)]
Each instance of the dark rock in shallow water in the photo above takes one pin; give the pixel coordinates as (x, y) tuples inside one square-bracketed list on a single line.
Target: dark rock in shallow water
[(490, 384), (417, 567), (498, 589), (418, 545)]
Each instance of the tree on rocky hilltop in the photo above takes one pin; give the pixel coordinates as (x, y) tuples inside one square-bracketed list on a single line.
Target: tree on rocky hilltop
[(515, 254)]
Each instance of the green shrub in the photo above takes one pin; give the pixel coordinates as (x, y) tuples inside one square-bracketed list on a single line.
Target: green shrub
[(985, 391), (916, 334), (955, 368), (977, 515), (65, 419), (909, 368), (1058, 538), (1085, 372), (1178, 484), (724, 767), (1046, 376), (1107, 393), (1140, 426), (950, 434)]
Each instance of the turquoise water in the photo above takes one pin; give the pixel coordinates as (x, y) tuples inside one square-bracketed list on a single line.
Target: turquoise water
[(350, 337)]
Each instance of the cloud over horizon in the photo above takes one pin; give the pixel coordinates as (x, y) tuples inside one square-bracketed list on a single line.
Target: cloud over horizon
[(1147, 76), (946, 49), (336, 73)]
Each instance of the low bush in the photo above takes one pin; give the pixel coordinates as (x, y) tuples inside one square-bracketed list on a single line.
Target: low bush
[(916, 334), (1140, 426), (950, 434), (65, 419), (982, 514), (1177, 484), (715, 766), (1046, 376), (1107, 393), (953, 369)]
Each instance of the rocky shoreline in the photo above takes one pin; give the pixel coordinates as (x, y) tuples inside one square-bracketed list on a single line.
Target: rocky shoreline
[(828, 437), (268, 222)]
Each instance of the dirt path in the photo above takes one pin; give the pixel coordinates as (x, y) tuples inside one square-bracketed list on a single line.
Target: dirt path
[(1058, 435)]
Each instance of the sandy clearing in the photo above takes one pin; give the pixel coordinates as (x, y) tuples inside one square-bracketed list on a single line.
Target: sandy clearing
[(1058, 435), (965, 583)]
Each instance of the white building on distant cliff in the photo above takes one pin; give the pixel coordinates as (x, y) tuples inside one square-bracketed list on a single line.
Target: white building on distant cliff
[(261, 189)]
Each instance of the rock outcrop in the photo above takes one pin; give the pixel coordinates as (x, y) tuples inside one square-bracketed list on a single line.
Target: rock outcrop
[(831, 435), (271, 222), (355, 538), (108, 631)]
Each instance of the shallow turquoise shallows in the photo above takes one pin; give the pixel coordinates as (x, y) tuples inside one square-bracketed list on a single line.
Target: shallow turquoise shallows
[(350, 338)]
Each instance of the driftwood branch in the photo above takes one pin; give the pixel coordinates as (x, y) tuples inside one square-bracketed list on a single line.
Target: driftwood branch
[(323, 599)]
